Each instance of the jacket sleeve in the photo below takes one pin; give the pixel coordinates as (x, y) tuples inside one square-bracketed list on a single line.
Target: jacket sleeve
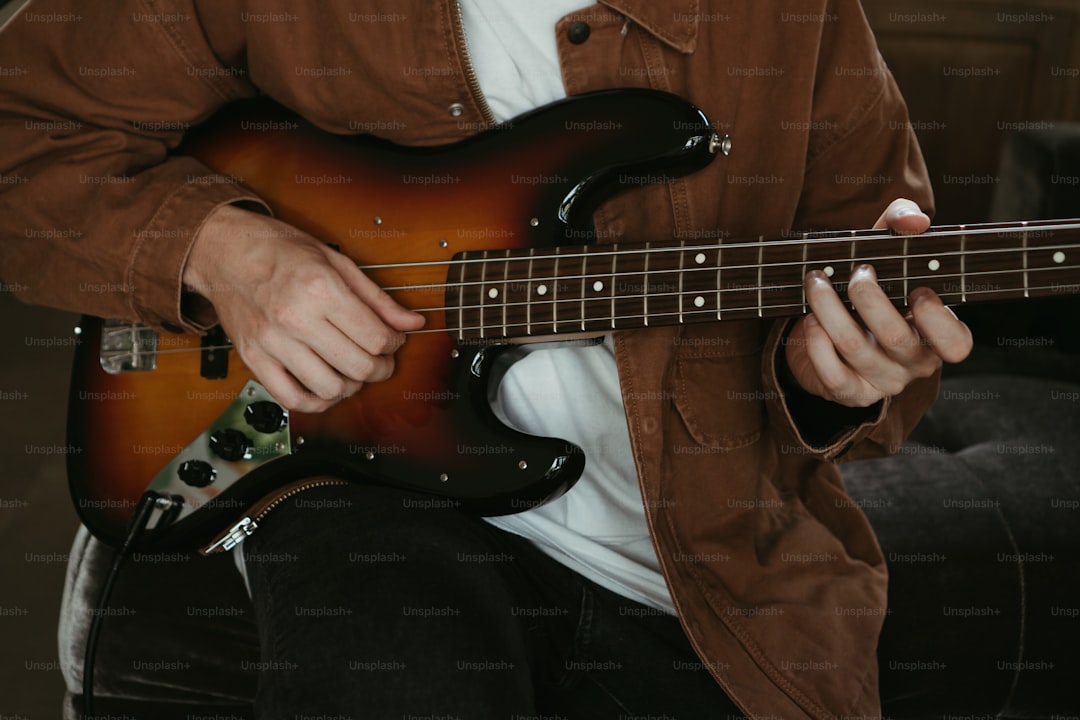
[(96, 215), (862, 154)]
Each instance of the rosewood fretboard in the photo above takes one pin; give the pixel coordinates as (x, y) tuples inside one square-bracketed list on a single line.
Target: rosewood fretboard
[(598, 288)]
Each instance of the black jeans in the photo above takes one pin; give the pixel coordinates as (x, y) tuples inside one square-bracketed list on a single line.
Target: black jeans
[(375, 603)]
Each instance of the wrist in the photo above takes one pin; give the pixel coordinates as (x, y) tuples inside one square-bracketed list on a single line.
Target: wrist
[(205, 257)]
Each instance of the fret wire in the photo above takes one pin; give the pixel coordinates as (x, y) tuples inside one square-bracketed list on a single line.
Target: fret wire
[(583, 274), (760, 269), (719, 284), (529, 294), (645, 287), (1024, 236), (506, 274), (868, 260), (461, 307), (963, 281), (555, 294), (611, 283), (906, 256), (682, 273), (805, 248), (483, 276)]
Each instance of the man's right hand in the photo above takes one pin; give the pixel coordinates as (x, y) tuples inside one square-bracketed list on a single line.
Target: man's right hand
[(310, 325)]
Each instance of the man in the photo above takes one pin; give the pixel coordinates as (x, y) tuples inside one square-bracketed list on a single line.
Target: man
[(706, 560)]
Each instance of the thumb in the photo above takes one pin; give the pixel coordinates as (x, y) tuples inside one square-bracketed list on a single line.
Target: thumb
[(903, 216)]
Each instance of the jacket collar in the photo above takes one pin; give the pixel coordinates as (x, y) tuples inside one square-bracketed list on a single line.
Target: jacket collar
[(674, 22)]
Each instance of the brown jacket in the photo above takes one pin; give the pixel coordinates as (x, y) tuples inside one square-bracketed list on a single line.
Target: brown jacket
[(776, 574)]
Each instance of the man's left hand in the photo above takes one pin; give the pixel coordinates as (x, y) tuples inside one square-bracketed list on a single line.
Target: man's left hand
[(856, 360)]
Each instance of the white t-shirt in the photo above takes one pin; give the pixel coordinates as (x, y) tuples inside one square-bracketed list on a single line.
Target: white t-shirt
[(598, 528)]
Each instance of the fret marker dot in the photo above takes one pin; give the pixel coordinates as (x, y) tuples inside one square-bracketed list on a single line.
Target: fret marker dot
[(493, 293), (934, 265), (700, 258), (541, 290), (829, 270), (598, 286), (1059, 257), (699, 301)]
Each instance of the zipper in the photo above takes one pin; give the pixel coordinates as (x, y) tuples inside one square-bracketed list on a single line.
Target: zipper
[(248, 524), (470, 71)]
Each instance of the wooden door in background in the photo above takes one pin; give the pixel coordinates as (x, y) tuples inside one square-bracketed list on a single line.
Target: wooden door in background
[(972, 71)]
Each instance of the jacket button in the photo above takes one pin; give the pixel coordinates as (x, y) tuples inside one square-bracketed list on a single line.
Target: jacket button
[(456, 110), (578, 32)]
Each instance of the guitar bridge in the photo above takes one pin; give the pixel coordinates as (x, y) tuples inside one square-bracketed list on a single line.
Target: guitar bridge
[(127, 347)]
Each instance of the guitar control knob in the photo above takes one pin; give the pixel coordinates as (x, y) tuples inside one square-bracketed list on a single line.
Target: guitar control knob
[(230, 445), (196, 473), (265, 416)]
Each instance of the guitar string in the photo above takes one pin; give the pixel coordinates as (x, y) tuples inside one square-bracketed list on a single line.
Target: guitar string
[(601, 251), (712, 291), (813, 238), (694, 312), (805, 240), (711, 268), (711, 314)]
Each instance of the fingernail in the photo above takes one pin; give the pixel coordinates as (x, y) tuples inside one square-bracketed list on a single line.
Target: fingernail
[(918, 295), (863, 269)]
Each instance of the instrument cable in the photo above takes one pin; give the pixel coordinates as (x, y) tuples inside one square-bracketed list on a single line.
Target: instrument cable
[(139, 521)]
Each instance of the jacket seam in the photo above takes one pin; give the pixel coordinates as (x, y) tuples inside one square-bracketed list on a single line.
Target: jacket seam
[(677, 190), (764, 664), (217, 84), (698, 430), (137, 305), (861, 113), (684, 45)]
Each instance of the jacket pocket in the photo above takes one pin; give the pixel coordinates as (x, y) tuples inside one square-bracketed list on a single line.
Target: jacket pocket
[(717, 384)]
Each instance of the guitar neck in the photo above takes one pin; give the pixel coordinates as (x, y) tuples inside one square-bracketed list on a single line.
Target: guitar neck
[(601, 288)]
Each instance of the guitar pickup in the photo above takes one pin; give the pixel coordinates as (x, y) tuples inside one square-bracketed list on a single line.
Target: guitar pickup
[(215, 355)]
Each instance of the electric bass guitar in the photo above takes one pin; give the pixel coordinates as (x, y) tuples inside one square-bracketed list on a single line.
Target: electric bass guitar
[(489, 238)]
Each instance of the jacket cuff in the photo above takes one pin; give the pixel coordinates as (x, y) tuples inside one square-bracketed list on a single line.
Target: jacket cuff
[(156, 267), (812, 425)]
